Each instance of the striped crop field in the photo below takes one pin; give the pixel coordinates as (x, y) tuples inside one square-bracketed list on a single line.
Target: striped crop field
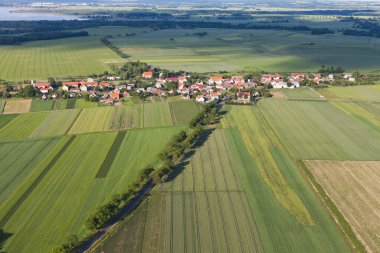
[(333, 133), (56, 58), (373, 108), (288, 216), (107, 118), (17, 106), (183, 111), (354, 188), (22, 126), (57, 123), (55, 205), (157, 114), (82, 103), (360, 92), (42, 105)]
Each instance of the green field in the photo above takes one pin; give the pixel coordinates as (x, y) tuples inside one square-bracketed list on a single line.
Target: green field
[(288, 215), (183, 111), (300, 93), (231, 50), (369, 93), (56, 58), (70, 191), (57, 123), (42, 105), (320, 130), (157, 114), (5, 119), (107, 118), (22, 126), (2, 105)]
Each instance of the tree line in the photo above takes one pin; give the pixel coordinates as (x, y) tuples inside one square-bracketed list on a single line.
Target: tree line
[(12, 40)]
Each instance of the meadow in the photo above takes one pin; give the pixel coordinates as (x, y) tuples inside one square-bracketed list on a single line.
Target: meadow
[(365, 93), (354, 188), (183, 111), (254, 50), (56, 58), (70, 191)]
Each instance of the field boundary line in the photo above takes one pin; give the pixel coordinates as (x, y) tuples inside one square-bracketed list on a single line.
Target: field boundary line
[(35, 183), (172, 114), (74, 121), (377, 117)]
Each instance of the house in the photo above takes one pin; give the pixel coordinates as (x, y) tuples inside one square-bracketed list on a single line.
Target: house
[(44, 90), (126, 94), (347, 75), (215, 80), (276, 76), (39, 86), (200, 99), (351, 79), (298, 76), (84, 88), (295, 84), (243, 97), (279, 84), (238, 79), (115, 95), (215, 95), (266, 79), (74, 89), (147, 74)]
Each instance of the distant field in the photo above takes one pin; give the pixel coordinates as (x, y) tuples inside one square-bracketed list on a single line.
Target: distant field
[(56, 58), (354, 188), (287, 213), (370, 93), (55, 208), (2, 105), (232, 50), (320, 130), (17, 106), (22, 126), (183, 111)]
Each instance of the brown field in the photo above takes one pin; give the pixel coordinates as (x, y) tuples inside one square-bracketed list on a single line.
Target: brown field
[(354, 186), (17, 106)]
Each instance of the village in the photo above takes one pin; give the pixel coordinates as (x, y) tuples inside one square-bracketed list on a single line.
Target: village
[(235, 89)]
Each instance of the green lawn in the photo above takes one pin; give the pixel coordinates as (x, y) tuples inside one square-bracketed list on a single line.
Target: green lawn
[(55, 58)]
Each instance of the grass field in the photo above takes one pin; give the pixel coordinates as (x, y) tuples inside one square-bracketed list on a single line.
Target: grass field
[(320, 130), (70, 191), (368, 93), (22, 126), (17, 106), (55, 58), (157, 114), (232, 50), (57, 123), (354, 188), (42, 105), (183, 111), (82, 103), (289, 218)]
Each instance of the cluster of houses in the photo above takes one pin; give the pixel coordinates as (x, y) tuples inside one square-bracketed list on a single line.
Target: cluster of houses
[(202, 91)]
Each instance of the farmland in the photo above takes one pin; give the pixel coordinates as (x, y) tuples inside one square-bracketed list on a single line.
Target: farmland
[(232, 50), (157, 114), (288, 215), (17, 106), (334, 134), (354, 188), (57, 58), (71, 183), (366, 93), (42, 105), (182, 111), (22, 126)]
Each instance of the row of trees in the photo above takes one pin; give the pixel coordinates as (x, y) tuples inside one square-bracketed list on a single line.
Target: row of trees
[(11, 40)]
